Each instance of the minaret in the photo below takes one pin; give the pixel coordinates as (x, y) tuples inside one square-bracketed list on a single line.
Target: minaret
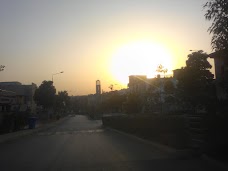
[(98, 87)]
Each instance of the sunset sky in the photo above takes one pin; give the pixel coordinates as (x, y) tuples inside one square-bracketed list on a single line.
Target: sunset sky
[(97, 39)]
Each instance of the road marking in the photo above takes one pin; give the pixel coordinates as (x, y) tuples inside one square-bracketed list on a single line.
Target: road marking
[(71, 132)]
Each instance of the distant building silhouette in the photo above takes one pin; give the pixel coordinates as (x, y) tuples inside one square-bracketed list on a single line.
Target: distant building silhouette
[(98, 87), (177, 72), (144, 86), (137, 83)]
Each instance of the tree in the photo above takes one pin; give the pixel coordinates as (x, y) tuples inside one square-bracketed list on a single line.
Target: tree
[(113, 102), (62, 101), (217, 11), (169, 90), (169, 87), (195, 81), (2, 67), (111, 87), (45, 94), (154, 95), (133, 103), (161, 69)]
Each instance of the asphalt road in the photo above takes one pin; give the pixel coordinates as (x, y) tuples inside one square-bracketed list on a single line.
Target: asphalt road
[(82, 144)]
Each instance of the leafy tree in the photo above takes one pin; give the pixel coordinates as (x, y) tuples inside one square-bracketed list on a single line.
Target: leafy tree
[(195, 80), (133, 103), (155, 90), (198, 64), (113, 102), (169, 90), (217, 11), (62, 100), (2, 67), (153, 101), (45, 94), (169, 87), (161, 69)]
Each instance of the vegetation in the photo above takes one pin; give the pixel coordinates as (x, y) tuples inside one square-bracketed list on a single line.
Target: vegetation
[(153, 97), (169, 87), (113, 102), (162, 69), (133, 103), (2, 67), (217, 12), (45, 94), (170, 91), (195, 86), (62, 101)]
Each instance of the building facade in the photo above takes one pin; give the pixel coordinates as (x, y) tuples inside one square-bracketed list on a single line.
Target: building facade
[(221, 73), (17, 97)]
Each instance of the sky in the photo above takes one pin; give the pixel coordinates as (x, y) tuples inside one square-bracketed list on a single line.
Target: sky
[(90, 40)]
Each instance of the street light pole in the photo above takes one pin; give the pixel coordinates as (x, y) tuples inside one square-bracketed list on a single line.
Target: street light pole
[(194, 50), (56, 74)]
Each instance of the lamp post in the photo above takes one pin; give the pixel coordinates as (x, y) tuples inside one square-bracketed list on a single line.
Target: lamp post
[(194, 50), (56, 74)]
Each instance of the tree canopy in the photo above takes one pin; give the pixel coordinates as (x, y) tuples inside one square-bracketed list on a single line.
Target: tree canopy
[(197, 64), (112, 102), (62, 100), (162, 69), (217, 12), (45, 94), (132, 103), (2, 67), (194, 80), (169, 87)]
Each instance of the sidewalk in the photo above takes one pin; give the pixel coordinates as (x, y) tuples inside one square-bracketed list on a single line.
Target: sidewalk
[(184, 154), (39, 127)]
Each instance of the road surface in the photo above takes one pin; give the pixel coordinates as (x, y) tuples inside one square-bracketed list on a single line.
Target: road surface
[(82, 144)]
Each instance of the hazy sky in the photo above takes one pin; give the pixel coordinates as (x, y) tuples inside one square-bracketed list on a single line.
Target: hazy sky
[(85, 39)]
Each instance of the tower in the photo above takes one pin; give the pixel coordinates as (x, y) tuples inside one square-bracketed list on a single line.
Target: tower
[(98, 87)]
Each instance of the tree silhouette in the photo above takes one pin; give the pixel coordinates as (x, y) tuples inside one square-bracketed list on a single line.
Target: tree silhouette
[(133, 103), (161, 69), (111, 87), (169, 87), (62, 101), (2, 67), (195, 80), (217, 11), (113, 102), (45, 94)]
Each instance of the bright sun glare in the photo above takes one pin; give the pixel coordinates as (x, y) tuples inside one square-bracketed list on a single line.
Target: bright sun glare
[(139, 58)]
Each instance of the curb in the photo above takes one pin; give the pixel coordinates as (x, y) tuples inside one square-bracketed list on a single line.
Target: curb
[(15, 135)]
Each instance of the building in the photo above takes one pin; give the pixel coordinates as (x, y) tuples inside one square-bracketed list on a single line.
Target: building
[(98, 87), (221, 72), (151, 92), (137, 83), (17, 97)]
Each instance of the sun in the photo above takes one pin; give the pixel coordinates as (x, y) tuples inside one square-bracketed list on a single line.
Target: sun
[(139, 58)]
